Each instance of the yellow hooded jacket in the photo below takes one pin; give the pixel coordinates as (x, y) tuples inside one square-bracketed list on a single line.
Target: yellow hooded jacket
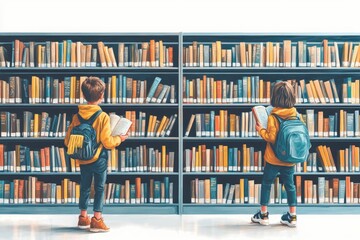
[(101, 126), (269, 134)]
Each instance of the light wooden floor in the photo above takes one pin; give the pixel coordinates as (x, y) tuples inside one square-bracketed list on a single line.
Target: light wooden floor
[(172, 227)]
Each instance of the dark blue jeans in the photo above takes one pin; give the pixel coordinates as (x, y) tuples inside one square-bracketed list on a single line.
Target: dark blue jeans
[(287, 178), (98, 170)]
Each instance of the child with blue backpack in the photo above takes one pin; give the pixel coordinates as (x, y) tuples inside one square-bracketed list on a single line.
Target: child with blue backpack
[(283, 100), (87, 139)]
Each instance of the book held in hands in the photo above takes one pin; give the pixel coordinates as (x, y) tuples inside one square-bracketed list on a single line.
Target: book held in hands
[(261, 114), (119, 125)]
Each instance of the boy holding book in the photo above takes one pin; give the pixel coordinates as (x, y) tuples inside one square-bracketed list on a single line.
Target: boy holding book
[(93, 90), (283, 101)]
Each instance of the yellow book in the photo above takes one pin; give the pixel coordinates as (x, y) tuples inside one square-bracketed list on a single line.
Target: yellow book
[(221, 158), (161, 53), (242, 192), (113, 159), (112, 57), (101, 54), (107, 57), (163, 158), (319, 91), (226, 160), (73, 55), (245, 169), (314, 92), (58, 194), (218, 53), (77, 193)]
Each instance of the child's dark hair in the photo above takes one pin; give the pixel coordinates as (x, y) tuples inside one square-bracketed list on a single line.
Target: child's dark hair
[(283, 95), (92, 88)]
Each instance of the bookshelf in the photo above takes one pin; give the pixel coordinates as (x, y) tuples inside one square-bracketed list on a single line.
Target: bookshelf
[(133, 65), (200, 70), (177, 142)]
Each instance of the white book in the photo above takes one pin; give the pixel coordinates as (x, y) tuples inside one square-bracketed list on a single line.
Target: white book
[(119, 125)]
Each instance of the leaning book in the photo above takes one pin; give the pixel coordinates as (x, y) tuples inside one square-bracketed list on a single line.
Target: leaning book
[(119, 125), (261, 114)]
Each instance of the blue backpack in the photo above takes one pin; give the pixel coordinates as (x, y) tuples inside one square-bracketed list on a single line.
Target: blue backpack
[(82, 142), (292, 143)]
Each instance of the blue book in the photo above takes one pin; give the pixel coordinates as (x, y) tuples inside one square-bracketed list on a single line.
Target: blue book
[(61, 56), (2, 182), (68, 53), (153, 89), (167, 192), (231, 159), (47, 92), (132, 193), (157, 191), (119, 90), (341, 191), (235, 160), (25, 90), (213, 190), (246, 190), (67, 89), (27, 159), (240, 90), (124, 89)]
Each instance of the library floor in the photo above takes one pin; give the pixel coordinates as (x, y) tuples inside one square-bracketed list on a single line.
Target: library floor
[(194, 227)]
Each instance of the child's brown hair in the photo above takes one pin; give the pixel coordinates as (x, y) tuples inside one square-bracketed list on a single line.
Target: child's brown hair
[(93, 89), (283, 95)]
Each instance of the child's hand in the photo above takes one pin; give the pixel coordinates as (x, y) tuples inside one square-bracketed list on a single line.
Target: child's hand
[(258, 127), (123, 137)]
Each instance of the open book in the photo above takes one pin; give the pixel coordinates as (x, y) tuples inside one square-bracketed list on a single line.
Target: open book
[(119, 125), (261, 114)]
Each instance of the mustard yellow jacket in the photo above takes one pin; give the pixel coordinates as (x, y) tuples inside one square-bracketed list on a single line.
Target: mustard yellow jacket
[(269, 134), (101, 126)]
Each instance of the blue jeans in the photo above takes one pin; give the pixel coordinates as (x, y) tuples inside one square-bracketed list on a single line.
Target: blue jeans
[(98, 170), (287, 178)]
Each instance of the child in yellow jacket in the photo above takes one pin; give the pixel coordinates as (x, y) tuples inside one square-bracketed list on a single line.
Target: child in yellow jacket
[(93, 90), (283, 100)]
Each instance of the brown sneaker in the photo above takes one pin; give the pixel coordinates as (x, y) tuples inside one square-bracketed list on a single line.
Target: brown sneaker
[(98, 225), (84, 222)]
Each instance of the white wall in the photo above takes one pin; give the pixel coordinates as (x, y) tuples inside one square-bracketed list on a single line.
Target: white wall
[(178, 16)]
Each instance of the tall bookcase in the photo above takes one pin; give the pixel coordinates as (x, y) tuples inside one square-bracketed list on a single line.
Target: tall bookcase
[(177, 141), (219, 57), (134, 43)]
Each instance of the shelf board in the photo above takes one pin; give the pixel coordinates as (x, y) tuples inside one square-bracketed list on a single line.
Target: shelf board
[(78, 173), (256, 139), (261, 173), (89, 70), (73, 208), (250, 105), (105, 105), (22, 139), (275, 208), (271, 70)]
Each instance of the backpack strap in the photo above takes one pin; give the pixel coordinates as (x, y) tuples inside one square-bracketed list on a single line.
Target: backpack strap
[(91, 119)]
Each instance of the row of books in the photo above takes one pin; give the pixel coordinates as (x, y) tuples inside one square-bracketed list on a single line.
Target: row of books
[(343, 124), (224, 124), (151, 126), (247, 191), (119, 89), (68, 53), (347, 161), (55, 159), (222, 158), (253, 89), (45, 125), (34, 191), (141, 159), (284, 53), (34, 124)]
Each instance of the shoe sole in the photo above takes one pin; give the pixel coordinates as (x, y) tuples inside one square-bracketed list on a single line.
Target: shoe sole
[(288, 224), (98, 230), (260, 221), (84, 227)]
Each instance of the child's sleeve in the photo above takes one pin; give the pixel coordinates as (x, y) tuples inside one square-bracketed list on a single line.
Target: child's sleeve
[(106, 139), (269, 134)]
